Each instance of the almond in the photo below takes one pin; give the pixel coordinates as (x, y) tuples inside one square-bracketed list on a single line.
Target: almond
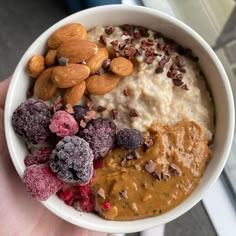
[(77, 50), (69, 75), (51, 57), (65, 33), (44, 88), (101, 84), (95, 62), (72, 95), (36, 66), (121, 66)]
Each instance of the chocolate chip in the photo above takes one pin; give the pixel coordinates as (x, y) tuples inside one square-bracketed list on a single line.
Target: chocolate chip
[(174, 170), (133, 113), (101, 109), (150, 166)]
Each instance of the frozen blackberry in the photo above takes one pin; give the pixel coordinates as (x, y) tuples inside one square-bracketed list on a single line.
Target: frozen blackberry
[(129, 138), (100, 134), (72, 160), (79, 112), (31, 120)]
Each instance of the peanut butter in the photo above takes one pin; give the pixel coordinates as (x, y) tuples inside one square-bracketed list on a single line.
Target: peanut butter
[(157, 178)]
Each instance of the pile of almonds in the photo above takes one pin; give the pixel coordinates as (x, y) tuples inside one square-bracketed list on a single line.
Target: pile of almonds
[(73, 65)]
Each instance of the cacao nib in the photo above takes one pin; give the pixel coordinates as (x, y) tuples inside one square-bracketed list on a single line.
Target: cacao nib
[(109, 30), (103, 39), (150, 166), (133, 113), (174, 170), (101, 109), (114, 114)]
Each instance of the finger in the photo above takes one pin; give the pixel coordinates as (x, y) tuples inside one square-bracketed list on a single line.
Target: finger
[(3, 91)]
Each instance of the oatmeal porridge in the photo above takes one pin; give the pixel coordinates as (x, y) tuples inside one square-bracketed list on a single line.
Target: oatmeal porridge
[(152, 94), (118, 121)]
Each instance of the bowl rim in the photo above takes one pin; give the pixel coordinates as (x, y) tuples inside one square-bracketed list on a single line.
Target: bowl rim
[(147, 223)]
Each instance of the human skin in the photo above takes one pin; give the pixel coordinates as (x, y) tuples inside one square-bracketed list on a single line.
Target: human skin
[(20, 214)]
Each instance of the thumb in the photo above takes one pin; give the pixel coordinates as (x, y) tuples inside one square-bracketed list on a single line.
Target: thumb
[(3, 91)]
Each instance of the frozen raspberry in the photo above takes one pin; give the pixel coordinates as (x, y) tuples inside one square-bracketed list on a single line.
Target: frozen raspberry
[(63, 124), (41, 182), (100, 134), (86, 201), (72, 160), (66, 195), (39, 156), (79, 112), (31, 119), (129, 138)]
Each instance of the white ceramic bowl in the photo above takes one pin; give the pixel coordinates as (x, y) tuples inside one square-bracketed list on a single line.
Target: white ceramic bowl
[(211, 66)]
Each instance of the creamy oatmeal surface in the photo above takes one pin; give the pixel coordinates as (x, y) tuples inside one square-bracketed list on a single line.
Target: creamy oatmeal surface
[(156, 91)]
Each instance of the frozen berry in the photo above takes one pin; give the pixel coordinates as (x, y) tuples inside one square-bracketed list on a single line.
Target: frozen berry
[(31, 119), (66, 195), (41, 182), (100, 134), (63, 124), (79, 112), (129, 138), (86, 201), (72, 160), (39, 156)]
